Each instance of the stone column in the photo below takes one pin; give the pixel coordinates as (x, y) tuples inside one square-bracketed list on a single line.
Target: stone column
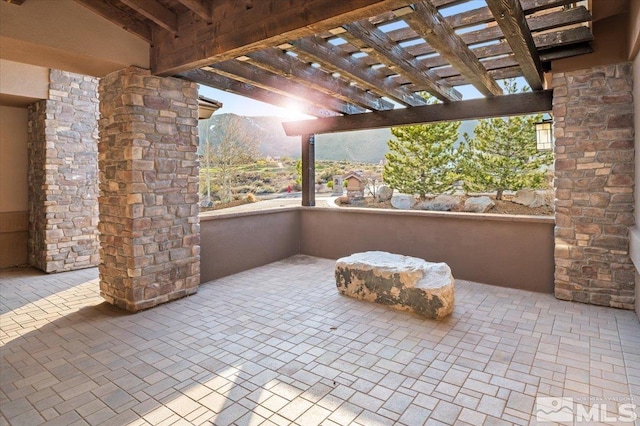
[(63, 175), (149, 226), (594, 178)]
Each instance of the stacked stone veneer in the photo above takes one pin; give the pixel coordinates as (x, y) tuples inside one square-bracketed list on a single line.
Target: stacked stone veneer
[(149, 226), (62, 176), (594, 176)]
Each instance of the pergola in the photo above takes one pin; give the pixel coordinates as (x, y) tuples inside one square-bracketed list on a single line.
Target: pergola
[(340, 60)]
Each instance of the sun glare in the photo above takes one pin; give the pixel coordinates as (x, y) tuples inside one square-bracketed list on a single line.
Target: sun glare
[(294, 112)]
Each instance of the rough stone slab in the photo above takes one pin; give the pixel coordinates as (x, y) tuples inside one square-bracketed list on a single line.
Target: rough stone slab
[(402, 282), (478, 204)]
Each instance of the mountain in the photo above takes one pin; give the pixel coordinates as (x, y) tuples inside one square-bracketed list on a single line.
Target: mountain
[(366, 146)]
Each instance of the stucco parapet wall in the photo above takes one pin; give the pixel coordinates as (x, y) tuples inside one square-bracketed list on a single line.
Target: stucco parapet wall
[(221, 214)]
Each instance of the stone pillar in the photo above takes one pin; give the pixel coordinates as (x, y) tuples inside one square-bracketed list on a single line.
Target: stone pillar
[(149, 226), (63, 175), (594, 178)]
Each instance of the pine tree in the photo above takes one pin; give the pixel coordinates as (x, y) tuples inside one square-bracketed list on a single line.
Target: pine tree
[(421, 158), (502, 155)]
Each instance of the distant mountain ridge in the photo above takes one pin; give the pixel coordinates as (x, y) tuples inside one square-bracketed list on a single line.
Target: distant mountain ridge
[(366, 146)]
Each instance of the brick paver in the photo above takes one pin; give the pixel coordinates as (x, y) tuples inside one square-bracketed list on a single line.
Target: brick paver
[(278, 345)]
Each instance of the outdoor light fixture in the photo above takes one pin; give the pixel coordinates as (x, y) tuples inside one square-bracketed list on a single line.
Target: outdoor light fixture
[(544, 135)]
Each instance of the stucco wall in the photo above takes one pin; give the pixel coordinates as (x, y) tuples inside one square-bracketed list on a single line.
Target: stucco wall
[(65, 35), (511, 252), (236, 242), (13, 186), (505, 251), (22, 84)]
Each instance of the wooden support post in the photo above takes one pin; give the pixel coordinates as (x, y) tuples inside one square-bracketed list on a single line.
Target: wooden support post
[(308, 170)]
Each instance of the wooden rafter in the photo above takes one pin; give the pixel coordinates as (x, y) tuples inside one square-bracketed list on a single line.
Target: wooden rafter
[(251, 74), (541, 24), (542, 41), (336, 60), (511, 19), (107, 10), (279, 62), (497, 106), (156, 12), (429, 23), (210, 79), (202, 8), (483, 15), (371, 40), (239, 30), (498, 74)]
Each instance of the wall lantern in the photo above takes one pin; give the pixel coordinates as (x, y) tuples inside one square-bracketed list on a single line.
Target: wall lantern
[(544, 135)]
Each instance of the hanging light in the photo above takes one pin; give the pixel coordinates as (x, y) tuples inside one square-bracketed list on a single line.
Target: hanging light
[(544, 135)]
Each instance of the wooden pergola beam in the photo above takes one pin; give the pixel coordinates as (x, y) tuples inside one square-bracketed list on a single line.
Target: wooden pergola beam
[(337, 60), (369, 39), (202, 8), (156, 12), (542, 41), (540, 23), (483, 15), (251, 74), (118, 17), (512, 20), (210, 79), (497, 106), (236, 30), (429, 23), (279, 62), (308, 160)]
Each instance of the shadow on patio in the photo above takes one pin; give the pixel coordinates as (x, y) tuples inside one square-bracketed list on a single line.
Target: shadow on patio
[(279, 345)]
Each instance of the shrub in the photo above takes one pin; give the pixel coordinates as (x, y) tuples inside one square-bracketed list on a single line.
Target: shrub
[(250, 198)]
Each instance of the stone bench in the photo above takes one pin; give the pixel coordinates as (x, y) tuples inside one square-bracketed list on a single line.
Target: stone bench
[(402, 282)]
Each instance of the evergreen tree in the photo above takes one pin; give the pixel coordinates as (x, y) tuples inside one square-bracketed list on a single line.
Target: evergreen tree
[(502, 155), (421, 158)]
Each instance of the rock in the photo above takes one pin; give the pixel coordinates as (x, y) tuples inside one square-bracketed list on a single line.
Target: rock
[(524, 197), (478, 204), (443, 203), (384, 193), (401, 282), (402, 201), (530, 198)]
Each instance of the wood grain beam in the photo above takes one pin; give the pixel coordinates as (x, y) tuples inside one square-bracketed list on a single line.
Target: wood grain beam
[(217, 81), (336, 60), (484, 16), (498, 74), (512, 20), (279, 62), (124, 20), (202, 8), (156, 12), (542, 41), (429, 23), (237, 30), (369, 39), (497, 106), (16, 2), (253, 75)]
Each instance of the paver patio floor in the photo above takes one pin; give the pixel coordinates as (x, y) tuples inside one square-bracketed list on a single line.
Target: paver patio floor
[(279, 345)]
